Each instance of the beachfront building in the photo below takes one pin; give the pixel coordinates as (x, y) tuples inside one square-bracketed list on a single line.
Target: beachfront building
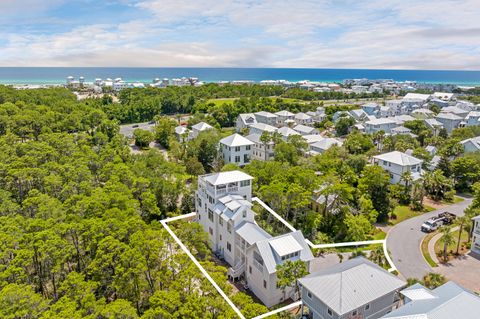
[(266, 118), (448, 301), (476, 235), (381, 124), (200, 127), (397, 163), (236, 149), (244, 121), (354, 289), (223, 204)]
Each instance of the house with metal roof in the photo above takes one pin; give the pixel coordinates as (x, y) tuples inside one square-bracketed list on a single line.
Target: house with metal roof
[(286, 132), (283, 116), (397, 163), (356, 288), (379, 124), (450, 121), (259, 128), (236, 149), (303, 119), (266, 118), (244, 121), (323, 145), (448, 301), (200, 127), (471, 144), (223, 206), (261, 151), (306, 130)]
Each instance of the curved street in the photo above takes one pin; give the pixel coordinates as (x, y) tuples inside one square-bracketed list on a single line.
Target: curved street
[(404, 239)]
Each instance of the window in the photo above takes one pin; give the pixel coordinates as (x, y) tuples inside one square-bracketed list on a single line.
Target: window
[(354, 313), (220, 221), (309, 294), (329, 311), (220, 237), (244, 214), (199, 201), (237, 148), (248, 147), (244, 183), (210, 214), (210, 230), (367, 306), (237, 159), (249, 269), (264, 284), (229, 247), (229, 228)]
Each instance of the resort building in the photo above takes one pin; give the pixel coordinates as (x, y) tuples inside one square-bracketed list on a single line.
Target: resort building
[(356, 288), (397, 163), (236, 149), (445, 302), (223, 205)]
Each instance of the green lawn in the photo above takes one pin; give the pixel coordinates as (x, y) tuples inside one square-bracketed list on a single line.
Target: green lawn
[(456, 199), (222, 101), (405, 212), (425, 252), (452, 248)]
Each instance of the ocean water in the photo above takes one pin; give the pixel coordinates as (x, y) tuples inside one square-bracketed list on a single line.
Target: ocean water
[(36, 75)]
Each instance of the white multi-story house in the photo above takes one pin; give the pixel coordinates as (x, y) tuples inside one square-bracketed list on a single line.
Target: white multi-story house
[(283, 116), (223, 207), (266, 118), (261, 151), (244, 121), (450, 121), (236, 149), (449, 301), (353, 289), (382, 124), (200, 127), (476, 235), (303, 119), (397, 163)]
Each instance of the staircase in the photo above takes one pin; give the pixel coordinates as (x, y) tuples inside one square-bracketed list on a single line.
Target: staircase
[(236, 271)]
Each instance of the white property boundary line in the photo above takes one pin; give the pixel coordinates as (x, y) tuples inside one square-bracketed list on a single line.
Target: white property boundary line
[(283, 221), (352, 243)]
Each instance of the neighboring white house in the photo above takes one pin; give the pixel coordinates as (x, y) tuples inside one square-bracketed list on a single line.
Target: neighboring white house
[(322, 145), (236, 149), (359, 115), (449, 301), (396, 163), (471, 144), (473, 118), (382, 124), (244, 120), (476, 235), (259, 128), (450, 121), (286, 132), (181, 131), (283, 116), (223, 205), (266, 118), (305, 130), (261, 151), (356, 288), (303, 119), (200, 127)]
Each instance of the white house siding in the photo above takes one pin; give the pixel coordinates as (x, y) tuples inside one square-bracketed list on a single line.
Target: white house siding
[(476, 237), (396, 170), (240, 155)]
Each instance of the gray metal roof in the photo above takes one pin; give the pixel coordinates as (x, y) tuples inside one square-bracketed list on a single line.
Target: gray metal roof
[(251, 232), (270, 258), (449, 301), (351, 284)]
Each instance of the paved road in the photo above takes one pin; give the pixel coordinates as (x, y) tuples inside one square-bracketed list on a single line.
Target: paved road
[(403, 242)]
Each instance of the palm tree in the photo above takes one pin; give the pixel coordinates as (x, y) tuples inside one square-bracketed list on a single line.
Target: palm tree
[(433, 280), (377, 256), (447, 239), (462, 221), (265, 138)]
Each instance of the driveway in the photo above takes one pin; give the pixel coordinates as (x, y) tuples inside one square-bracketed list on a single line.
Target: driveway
[(404, 239)]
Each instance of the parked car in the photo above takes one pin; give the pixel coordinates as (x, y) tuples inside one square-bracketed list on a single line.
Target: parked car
[(434, 223)]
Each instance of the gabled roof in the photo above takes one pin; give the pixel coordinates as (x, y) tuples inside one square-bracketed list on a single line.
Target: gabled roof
[(433, 123), (326, 143), (474, 140), (236, 140), (251, 232), (264, 127), (302, 116), (179, 130), (269, 255), (286, 131), (351, 284), (416, 96), (284, 113), (226, 177), (381, 121), (423, 110), (399, 158), (445, 302), (312, 138), (476, 217), (454, 110), (401, 129), (248, 118), (202, 126), (265, 114), (304, 129), (448, 116)]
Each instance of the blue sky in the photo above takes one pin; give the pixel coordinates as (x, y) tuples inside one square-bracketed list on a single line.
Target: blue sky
[(393, 34)]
